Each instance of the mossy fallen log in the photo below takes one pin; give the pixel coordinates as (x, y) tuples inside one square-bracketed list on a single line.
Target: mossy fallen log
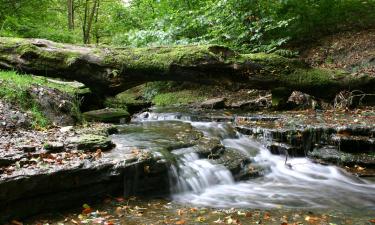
[(110, 70)]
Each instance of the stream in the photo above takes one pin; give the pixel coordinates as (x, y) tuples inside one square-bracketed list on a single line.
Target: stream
[(299, 183), (284, 186)]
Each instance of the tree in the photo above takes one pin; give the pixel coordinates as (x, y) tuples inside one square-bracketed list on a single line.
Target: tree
[(89, 14), (70, 4)]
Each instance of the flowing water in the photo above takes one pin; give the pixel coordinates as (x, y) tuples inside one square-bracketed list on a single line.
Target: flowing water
[(204, 192), (298, 184)]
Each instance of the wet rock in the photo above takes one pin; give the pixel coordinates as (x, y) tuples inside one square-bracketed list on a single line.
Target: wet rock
[(66, 129), (215, 103), (92, 142), (27, 148), (8, 158), (331, 154), (138, 106), (278, 148), (112, 130), (209, 147), (255, 104), (54, 146), (257, 118), (349, 143), (29, 192), (302, 101), (108, 115), (237, 163)]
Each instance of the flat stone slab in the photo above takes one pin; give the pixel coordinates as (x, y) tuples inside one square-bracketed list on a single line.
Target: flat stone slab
[(215, 103), (62, 180), (92, 142), (107, 115), (331, 154)]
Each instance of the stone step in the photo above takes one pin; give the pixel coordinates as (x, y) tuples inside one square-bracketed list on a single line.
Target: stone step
[(350, 139), (331, 154), (353, 144), (278, 148)]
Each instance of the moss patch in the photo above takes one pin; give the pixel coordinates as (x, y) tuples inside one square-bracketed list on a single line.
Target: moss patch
[(177, 98), (107, 115), (14, 89)]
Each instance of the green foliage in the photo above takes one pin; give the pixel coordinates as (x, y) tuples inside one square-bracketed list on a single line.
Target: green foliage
[(246, 25)]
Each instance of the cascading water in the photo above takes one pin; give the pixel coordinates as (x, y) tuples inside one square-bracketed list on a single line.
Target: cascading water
[(298, 184), (196, 175)]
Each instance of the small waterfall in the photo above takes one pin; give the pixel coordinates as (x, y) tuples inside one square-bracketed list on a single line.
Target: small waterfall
[(299, 184), (195, 174)]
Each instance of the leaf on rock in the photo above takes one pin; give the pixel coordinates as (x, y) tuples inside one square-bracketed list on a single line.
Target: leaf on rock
[(180, 222)]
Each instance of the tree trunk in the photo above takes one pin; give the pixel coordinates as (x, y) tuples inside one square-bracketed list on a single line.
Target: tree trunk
[(70, 14), (109, 71), (84, 24), (97, 36), (88, 19)]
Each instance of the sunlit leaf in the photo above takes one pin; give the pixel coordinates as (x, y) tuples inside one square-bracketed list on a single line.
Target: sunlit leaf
[(85, 206), (200, 219), (181, 222)]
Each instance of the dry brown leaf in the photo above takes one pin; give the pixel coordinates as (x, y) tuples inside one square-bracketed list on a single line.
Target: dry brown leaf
[(180, 222), (15, 222)]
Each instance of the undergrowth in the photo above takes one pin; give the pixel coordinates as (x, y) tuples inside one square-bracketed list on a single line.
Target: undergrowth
[(14, 89)]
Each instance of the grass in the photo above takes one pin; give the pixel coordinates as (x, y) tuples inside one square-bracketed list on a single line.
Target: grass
[(14, 89), (177, 98), (160, 93), (24, 81)]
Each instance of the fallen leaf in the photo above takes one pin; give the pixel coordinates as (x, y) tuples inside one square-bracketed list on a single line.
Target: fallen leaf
[(241, 213), (200, 219), (120, 199), (180, 222), (180, 212), (15, 222), (266, 216), (311, 219), (86, 211), (74, 221), (119, 211), (146, 169), (193, 209), (249, 214), (219, 221)]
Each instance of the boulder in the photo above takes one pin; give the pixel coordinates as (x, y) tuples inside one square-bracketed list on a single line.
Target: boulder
[(215, 103), (92, 142), (27, 148), (107, 115), (54, 146), (332, 155)]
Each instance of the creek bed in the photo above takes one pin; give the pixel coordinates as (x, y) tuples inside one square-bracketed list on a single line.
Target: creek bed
[(134, 211), (200, 159)]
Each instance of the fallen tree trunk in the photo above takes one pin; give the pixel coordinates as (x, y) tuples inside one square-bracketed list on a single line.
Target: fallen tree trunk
[(110, 70)]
